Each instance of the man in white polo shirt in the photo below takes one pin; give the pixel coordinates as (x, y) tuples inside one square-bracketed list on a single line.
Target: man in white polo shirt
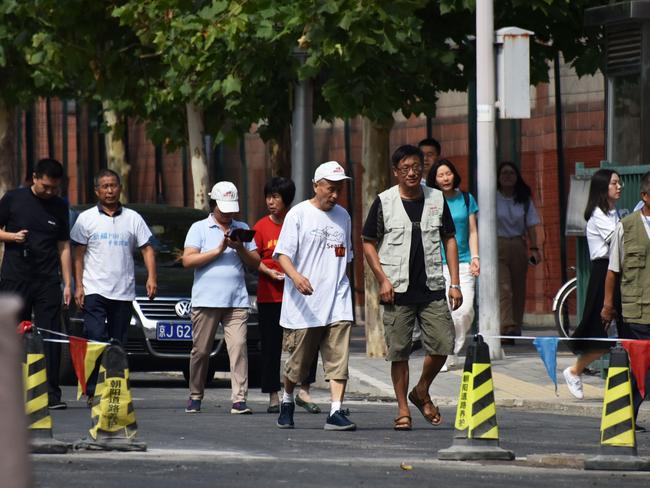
[(104, 239), (314, 249), (219, 294)]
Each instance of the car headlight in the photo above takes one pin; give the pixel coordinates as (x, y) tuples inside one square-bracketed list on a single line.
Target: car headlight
[(253, 303)]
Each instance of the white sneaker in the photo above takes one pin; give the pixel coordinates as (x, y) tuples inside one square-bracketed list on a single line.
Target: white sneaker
[(574, 383), (452, 361)]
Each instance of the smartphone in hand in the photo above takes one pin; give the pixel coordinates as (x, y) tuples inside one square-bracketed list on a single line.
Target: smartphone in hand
[(241, 235)]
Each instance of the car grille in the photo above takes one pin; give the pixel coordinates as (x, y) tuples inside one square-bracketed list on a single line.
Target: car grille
[(135, 345), (171, 347), (159, 309)]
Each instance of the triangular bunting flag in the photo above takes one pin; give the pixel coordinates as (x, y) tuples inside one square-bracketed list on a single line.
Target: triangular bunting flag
[(547, 348), (639, 352), (84, 356)]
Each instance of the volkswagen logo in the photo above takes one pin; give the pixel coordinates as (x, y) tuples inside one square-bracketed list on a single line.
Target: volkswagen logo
[(183, 309)]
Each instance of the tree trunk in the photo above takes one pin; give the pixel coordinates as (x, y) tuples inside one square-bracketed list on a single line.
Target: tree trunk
[(280, 152), (115, 149), (376, 178), (199, 165), (7, 153)]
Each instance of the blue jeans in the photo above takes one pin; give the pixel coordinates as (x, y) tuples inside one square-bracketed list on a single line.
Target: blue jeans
[(105, 319)]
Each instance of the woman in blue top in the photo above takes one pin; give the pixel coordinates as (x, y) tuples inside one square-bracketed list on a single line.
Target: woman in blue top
[(445, 177)]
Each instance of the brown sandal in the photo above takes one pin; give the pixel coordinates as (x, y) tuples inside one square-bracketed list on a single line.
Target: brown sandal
[(402, 423), (429, 411)]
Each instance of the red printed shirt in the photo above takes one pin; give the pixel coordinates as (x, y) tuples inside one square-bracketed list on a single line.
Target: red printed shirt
[(266, 237)]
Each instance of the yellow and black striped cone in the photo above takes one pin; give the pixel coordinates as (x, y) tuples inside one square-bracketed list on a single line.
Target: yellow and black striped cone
[(39, 421), (617, 439), (476, 434), (113, 418)]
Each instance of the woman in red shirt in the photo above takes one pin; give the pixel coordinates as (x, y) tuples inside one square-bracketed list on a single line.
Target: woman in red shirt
[(278, 193)]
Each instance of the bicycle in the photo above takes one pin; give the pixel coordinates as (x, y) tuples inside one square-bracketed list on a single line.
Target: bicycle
[(565, 307)]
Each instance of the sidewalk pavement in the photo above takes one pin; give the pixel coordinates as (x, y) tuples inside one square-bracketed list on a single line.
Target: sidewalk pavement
[(520, 380)]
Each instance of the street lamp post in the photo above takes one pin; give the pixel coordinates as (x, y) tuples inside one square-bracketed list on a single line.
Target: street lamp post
[(489, 312)]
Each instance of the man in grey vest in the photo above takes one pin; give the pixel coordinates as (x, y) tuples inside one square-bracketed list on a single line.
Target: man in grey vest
[(403, 232), (629, 262)]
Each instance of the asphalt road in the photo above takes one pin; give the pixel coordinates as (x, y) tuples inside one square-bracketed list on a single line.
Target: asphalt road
[(215, 448)]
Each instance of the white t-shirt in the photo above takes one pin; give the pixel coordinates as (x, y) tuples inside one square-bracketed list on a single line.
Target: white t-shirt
[(616, 251), (312, 238), (600, 229), (110, 243)]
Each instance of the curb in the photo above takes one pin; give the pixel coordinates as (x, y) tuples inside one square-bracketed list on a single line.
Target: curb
[(365, 387)]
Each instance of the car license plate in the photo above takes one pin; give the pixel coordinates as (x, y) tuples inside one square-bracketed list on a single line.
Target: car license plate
[(174, 331)]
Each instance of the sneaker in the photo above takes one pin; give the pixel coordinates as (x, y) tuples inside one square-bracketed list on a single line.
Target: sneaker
[(240, 408), (57, 405), (451, 362), (339, 421), (285, 420), (639, 429), (574, 383), (193, 406)]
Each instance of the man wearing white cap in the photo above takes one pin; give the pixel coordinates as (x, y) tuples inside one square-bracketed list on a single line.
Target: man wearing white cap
[(219, 293), (314, 249)]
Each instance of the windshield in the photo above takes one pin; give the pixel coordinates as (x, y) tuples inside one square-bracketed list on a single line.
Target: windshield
[(167, 239)]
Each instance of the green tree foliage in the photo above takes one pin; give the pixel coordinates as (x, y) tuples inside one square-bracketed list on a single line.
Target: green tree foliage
[(16, 84), (218, 56), (368, 57), (557, 24), (235, 58), (78, 50)]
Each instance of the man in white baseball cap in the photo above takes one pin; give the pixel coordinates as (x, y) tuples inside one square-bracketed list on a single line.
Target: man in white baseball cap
[(331, 171), (219, 294), (314, 249)]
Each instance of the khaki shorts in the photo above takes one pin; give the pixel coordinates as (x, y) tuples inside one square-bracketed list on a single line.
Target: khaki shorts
[(435, 323), (333, 340)]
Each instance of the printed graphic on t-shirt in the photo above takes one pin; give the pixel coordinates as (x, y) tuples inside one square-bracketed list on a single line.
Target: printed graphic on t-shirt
[(333, 238), (120, 239), (329, 234)]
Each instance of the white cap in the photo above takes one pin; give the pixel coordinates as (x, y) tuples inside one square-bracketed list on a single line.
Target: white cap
[(331, 171), (226, 196)]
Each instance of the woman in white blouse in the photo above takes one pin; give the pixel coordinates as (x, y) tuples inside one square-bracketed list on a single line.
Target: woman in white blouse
[(602, 217)]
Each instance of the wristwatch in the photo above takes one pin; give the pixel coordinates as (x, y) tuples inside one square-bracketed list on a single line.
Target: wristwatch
[(455, 287)]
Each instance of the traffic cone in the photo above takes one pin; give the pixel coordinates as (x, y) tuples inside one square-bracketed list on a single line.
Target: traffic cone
[(462, 410), (617, 438), (39, 421), (476, 434), (113, 418)]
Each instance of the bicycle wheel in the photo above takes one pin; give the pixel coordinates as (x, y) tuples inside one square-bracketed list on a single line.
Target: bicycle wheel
[(566, 310)]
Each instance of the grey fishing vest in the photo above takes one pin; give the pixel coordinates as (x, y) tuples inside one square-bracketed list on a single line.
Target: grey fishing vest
[(395, 245)]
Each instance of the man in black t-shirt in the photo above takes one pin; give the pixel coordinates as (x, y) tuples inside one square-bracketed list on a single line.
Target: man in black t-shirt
[(36, 233), (403, 234)]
